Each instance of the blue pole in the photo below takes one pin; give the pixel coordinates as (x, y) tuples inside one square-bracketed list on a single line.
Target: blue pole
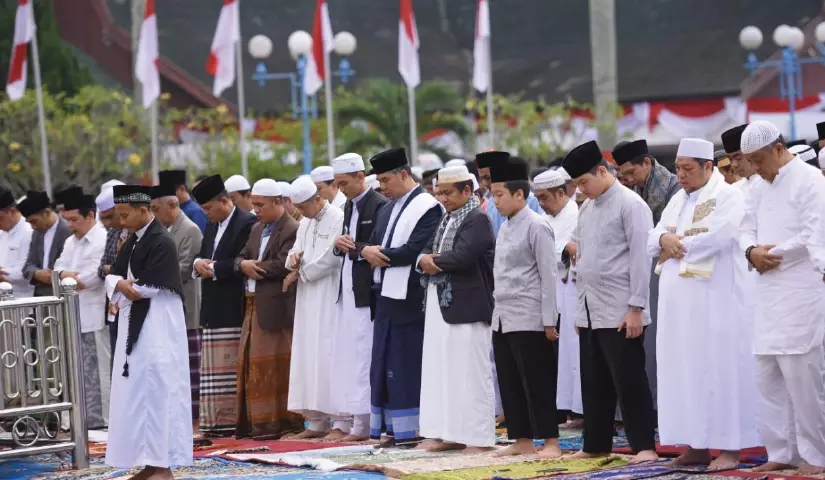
[(305, 118), (788, 72)]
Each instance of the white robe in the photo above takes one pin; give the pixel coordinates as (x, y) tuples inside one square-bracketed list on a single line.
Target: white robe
[(568, 385), (707, 388), (315, 314), (151, 409)]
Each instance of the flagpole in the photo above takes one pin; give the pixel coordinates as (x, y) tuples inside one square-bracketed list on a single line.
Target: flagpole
[(41, 118), (328, 101), (153, 119), (413, 127), (239, 78)]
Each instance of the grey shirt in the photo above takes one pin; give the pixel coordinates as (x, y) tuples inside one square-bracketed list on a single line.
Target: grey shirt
[(612, 264), (525, 272)]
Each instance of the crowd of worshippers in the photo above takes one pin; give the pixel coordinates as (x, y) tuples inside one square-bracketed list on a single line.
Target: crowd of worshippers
[(361, 303)]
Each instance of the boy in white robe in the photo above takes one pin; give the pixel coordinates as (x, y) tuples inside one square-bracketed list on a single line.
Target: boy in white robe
[(707, 402), (785, 234), (150, 420), (317, 271)]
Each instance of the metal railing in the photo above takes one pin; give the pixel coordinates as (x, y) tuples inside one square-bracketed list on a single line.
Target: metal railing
[(40, 373)]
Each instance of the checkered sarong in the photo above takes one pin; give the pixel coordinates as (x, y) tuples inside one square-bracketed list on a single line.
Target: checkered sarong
[(219, 380)]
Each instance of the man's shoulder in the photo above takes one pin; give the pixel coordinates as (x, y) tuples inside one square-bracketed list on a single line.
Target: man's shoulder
[(246, 218)]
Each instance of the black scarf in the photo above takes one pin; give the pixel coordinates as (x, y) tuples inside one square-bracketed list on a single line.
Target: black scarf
[(154, 262)]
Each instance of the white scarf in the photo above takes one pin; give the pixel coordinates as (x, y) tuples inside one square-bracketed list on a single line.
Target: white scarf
[(705, 205)]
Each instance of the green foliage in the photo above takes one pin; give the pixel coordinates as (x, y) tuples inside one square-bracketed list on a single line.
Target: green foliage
[(60, 70)]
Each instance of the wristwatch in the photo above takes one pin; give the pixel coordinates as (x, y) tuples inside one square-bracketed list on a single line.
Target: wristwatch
[(634, 308)]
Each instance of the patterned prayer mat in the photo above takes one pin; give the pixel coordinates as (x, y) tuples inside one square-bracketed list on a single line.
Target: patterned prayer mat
[(331, 459), (570, 440), (523, 470)]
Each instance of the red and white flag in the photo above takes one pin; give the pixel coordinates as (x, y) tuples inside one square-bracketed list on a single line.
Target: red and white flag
[(221, 64), (146, 65), (408, 46), (315, 74), (481, 48), (24, 28)]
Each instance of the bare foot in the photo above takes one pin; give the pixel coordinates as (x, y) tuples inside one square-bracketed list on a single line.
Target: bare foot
[(691, 457), (386, 442), (354, 438), (499, 418), (806, 469), (307, 434), (161, 474), (446, 447), (522, 446), (143, 474), (335, 435), (550, 450), (575, 424), (643, 457), (772, 467), (474, 450), (583, 454), (727, 460), (428, 444)]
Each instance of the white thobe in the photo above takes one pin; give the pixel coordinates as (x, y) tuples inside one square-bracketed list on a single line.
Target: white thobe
[(351, 354), (789, 314), (315, 315), (568, 385), (706, 381), (457, 399), (151, 409), (340, 200), (14, 250)]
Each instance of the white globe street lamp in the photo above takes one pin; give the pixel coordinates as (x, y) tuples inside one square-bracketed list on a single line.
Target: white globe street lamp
[(819, 33), (750, 38), (299, 43), (260, 47), (344, 44), (782, 36), (796, 38)]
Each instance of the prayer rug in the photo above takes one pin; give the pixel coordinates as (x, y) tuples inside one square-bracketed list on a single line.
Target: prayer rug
[(746, 455), (219, 380), (222, 446), (523, 470)]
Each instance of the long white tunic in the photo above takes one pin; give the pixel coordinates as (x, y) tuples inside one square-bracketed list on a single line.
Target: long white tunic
[(568, 386), (151, 409), (351, 354), (315, 313), (707, 386), (14, 250)]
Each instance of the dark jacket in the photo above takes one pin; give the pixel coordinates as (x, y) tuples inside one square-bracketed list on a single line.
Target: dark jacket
[(470, 265), (222, 297), (367, 208), (275, 309), (411, 309), (34, 261)]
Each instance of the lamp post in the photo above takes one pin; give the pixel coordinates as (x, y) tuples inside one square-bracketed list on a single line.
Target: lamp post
[(300, 46), (790, 40)]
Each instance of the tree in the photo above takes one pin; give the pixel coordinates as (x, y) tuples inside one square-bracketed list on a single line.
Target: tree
[(375, 116), (59, 68)]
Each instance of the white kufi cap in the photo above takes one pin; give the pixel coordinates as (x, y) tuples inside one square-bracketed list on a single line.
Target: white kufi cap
[(567, 177), (456, 162), (106, 199), (759, 134), (322, 174), (821, 159), (348, 163), (695, 148), (548, 179), (110, 184), (804, 152), (302, 189), (285, 188), (236, 183), (372, 182), (476, 186), (266, 187), (454, 174), (417, 171)]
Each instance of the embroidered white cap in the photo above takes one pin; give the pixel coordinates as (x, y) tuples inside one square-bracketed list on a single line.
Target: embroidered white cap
[(456, 162), (285, 188), (372, 182), (322, 174), (548, 179), (417, 171), (759, 134), (110, 184), (106, 199), (695, 148), (302, 189), (454, 174), (236, 183), (266, 187), (804, 152), (348, 163)]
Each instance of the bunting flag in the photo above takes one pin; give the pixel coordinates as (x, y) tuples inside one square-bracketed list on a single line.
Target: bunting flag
[(315, 75), (481, 48), (24, 29), (146, 64), (221, 63), (408, 46)]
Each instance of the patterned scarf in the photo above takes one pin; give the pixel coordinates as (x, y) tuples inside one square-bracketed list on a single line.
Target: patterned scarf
[(444, 236)]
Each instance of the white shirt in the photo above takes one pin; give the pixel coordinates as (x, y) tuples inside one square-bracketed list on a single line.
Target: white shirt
[(221, 229), (82, 255), (14, 250), (396, 210), (340, 200), (250, 283), (48, 238)]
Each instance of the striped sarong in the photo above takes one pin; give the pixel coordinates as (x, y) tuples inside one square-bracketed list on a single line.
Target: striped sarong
[(218, 380), (194, 339)]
